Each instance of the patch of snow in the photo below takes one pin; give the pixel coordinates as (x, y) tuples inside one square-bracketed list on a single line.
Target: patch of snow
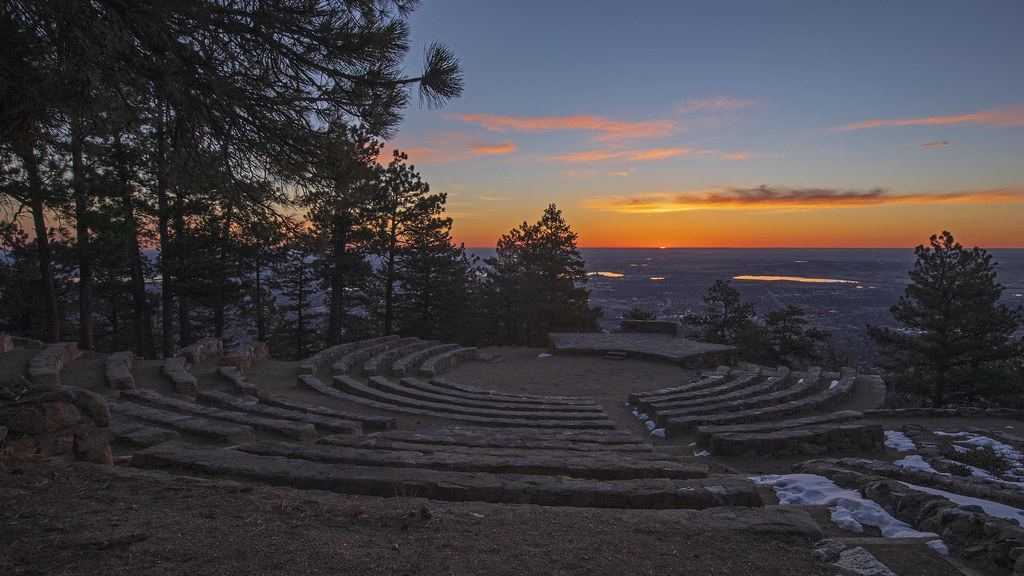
[(702, 453), (833, 384), (918, 463), (691, 444), (659, 432), (650, 424), (899, 441), (643, 417), (939, 546), (849, 509), (990, 508), (543, 355)]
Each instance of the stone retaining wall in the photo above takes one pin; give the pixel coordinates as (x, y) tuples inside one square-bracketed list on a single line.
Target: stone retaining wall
[(200, 351), (245, 356), (118, 370), (52, 420)]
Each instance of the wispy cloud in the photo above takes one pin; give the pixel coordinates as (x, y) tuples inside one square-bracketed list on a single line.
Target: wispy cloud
[(993, 118), (782, 198), (603, 128), (935, 144), (713, 105), (644, 155), (448, 147), (588, 174)]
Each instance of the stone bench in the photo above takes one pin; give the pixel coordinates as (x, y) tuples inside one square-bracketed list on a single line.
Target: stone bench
[(176, 369), (741, 382), (118, 370), (707, 379), (201, 351), (764, 388), (648, 493), (45, 366), (540, 398), (355, 358), (409, 363), (826, 438), (245, 356), (138, 434), (300, 431), (242, 385), (383, 390), (595, 466), (524, 403), (210, 429), (805, 387), (326, 423), (366, 421), (435, 364), (838, 391), (380, 364), (419, 390), (318, 386), (705, 433), (327, 357), (496, 440)]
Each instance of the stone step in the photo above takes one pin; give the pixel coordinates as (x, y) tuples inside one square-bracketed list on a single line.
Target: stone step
[(657, 493), (740, 382), (136, 434), (216, 430), (514, 438), (707, 380), (806, 386), (435, 364), (318, 386), (300, 431), (355, 358), (410, 363), (329, 356), (383, 390), (380, 364), (595, 466), (477, 392), (814, 439), (325, 423), (418, 389), (366, 421), (705, 433), (747, 388)]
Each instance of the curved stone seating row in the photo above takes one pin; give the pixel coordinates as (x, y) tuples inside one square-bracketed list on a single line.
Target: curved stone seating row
[(539, 398), (744, 386), (117, 368), (496, 440), (193, 425), (709, 387), (322, 423), (837, 391), (508, 419), (44, 367), (435, 364), (366, 422), (354, 359), (410, 363), (327, 357), (242, 385), (419, 389), (384, 391), (594, 466), (176, 369), (245, 356), (863, 435), (704, 434), (381, 363), (707, 379), (139, 434), (805, 386), (387, 481), (303, 432), (201, 351)]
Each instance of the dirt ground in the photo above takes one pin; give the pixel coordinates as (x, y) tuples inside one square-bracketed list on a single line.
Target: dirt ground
[(67, 518)]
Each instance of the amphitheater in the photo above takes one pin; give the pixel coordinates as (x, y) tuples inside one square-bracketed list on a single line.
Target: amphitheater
[(652, 430)]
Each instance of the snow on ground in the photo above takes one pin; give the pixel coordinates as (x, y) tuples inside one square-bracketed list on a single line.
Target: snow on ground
[(899, 441), (963, 442), (990, 508), (850, 510), (917, 463)]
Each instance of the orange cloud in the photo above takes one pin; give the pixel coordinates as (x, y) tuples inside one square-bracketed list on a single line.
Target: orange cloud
[(994, 118), (448, 147), (736, 156), (713, 105), (793, 198), (934, 144), (605, 128), (624, 155)]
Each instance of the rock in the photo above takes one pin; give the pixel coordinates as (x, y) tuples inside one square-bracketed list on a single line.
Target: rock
[(827, 550), (6, 344), (859, 562)]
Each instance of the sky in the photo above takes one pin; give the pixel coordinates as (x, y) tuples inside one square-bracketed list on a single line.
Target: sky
[(728, 123)]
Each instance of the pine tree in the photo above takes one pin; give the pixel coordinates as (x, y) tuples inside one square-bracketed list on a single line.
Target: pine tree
[(955, 341), (725, 319)]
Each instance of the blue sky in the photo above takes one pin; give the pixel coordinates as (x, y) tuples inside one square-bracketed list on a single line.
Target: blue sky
[(729, 123)]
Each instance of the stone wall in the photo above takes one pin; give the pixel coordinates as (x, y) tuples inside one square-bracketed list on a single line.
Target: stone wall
[(56, 421), (44, 368), (202, 350)]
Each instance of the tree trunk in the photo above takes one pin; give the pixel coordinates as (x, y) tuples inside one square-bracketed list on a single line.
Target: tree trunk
[(82, 206), (49, 295), (337, 280), (261, 319), (220, 297), (163, 226), (141, 315)]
